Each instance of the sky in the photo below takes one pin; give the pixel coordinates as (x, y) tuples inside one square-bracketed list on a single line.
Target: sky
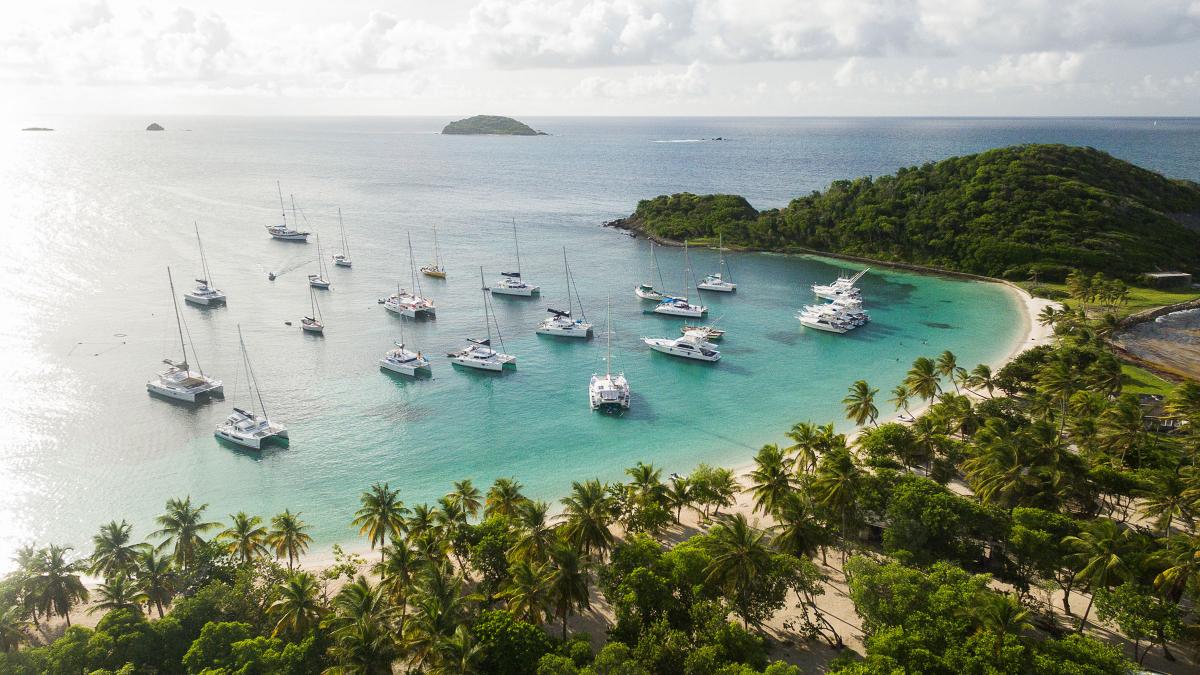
[(601, 57)]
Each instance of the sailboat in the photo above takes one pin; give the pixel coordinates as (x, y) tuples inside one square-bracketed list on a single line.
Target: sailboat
[(679, 306), (205, 293), (321, 278), (719, 281), (435, 269), (560, 322), (283, 231), (313, 323), (402, 360), (510, 283), (647, 291), (179, 381), (409, 304), (609, 393), (343, 259), (248, 428), (479, 354)]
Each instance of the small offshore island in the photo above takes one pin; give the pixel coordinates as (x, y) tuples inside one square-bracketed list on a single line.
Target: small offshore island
[(37, 129), (490, 125)]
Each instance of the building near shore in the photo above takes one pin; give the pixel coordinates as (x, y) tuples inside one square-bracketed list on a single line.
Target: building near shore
[(1168, 279)]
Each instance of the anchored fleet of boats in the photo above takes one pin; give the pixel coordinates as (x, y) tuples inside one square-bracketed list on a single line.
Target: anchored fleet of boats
[(251, 427)]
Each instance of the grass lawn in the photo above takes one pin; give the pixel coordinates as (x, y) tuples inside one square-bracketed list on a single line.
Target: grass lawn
[(1139, 297), (1135, 380)]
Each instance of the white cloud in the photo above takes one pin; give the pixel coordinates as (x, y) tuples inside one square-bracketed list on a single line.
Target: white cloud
[(1025, 70), (692, 82)]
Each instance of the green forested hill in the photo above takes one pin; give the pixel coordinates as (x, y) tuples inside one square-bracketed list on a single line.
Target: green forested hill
[(490, 124), (1001, 213)]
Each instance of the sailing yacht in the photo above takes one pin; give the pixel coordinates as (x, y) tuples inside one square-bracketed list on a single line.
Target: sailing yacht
[(343, 259), (435, 269), (560, 322), (179, 381), (689, 347), (321, 278), (719, 281), (647, 291), (205, 293), (479, 354), (313, 323), (679, 306), (402, 360), (511, 283), (283, 231), (609, 393), (406, 303), (248, 428)]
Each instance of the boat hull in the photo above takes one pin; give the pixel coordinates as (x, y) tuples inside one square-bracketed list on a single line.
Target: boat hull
[(691, 354), (648, 295), (409, 369), (490, 366), (299, 236), (436, 274), (818, 325), (204, 300), (669, 310), (522, 292), (343, 263), (318, 283), (186, 396), (719, 288), (562, 332), (320, 330)]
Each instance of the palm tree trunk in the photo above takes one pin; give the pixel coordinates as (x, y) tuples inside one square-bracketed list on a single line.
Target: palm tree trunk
[(1086, 611)]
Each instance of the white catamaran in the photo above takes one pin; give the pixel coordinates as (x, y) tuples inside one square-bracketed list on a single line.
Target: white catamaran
[(560, 322), (313, 322), (647, 291), (435, 268), (205, 293), (321, 278), (343, 259), (511, 283), (479, 354), (679, 305), (719, 281), (406, 303), (248, 428), (608, 392), (283, 231), (402, 360), (179, 381)]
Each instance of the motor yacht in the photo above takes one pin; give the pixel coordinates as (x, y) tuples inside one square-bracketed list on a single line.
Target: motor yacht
[(688, 347)]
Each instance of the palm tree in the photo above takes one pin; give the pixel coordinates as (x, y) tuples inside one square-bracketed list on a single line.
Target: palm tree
[(772, 478), (588, 512), (835, 486), (113, 554), (297, 608), (806, 444), (1121, 426), (922, 379), (860, 403), (422, 521), (381, 515), (982, 378), (396, 574), (13, 627), (467, 496), (535, 536), (156, 580), (1098, 553), (528, 591), (181, 527), (646, 481), (245, 537), (53, 581), (360, 602), (568, 583), (438, 610), (1181, 555), (679, 494), (1167, 500), (739, 558), (363, 648), (947, 366), (1058, 382), (119, 592), (900, 397), (1048, 315), (459, 654), (1000, 615), (288, 536), (797, 531), (503, 497)]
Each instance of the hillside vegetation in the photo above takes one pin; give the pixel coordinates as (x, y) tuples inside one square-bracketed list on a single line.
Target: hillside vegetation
[(490, 124), (1005, 212)]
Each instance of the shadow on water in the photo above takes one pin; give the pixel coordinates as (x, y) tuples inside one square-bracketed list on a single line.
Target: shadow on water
[(398, 412), (403, 380), (783, 337), (941, 326)]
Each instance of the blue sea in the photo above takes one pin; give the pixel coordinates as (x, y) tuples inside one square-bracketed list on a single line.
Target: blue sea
[(92, 214)]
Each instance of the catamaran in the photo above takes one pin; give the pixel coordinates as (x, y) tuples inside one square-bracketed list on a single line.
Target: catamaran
[(402, 360), (435, 269), (719, 281), (410, 304), (679, 305), (248, 428), (321, 278), (343, 259), (479, 354), (609, 393), (312, 323), (560, 322), (205, 293), (688, 347), (179, 381), (842, 287), (282, 231), (511, 283), (647, 291)]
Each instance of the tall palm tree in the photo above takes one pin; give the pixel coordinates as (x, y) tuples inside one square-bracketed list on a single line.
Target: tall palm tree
[(1047, 316), (922, 379), (245, 537), (679, 494), (1167, 500), (396, 574), (900, 398), (421, 521), (156, 580), (13, 628), (359, 602), (1099, 554), (646, 481), (503, 497), (363, 648), (527, 593), (181, 527), (771, 478), (1000, 615), (113, 553), (381, 515), (297, 609), (53, 581), (796, 531), (982, 378), (739, 558), (588, 513), (860, 403), (1181, 557), (947, 366), (1121, 426), (289, 536), (535, 536), (467, 496), (835, 486), (806, 444), (1057, 381), (459, 654), (437, 611), (569, 578), (119, 592)]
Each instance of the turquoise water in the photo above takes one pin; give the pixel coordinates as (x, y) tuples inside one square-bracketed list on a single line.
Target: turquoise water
[(93, 213)]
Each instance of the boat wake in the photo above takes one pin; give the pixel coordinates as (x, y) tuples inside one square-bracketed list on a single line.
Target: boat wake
[(681, 140)]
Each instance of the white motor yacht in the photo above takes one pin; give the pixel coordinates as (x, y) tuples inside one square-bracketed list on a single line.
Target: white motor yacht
[(829, 324), (842, 287), (179, 381), (560, 322), (608, 392), (205, 293), (688, 347), (246, 427), (511, 283)]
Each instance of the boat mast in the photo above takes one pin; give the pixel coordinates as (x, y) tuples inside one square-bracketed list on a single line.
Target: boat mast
[(567, 274), (293, 198), (608, 359), (282, 208), (203, 259), (253, 381), (412, 267), (483, 289), (342, 227), (178, 320), (437, 252), (685, 269), (517, 245), (662, 285), (320, 259)]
